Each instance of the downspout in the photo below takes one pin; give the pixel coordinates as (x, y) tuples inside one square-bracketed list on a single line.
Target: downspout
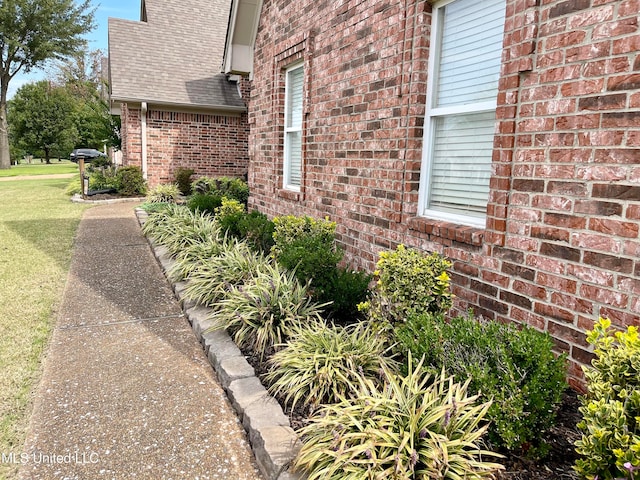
[(143, 138)]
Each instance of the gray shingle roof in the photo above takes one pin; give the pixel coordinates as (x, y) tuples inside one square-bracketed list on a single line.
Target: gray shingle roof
[(173, 58)]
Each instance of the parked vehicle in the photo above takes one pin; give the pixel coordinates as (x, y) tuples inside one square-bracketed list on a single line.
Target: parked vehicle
[(87, 153)]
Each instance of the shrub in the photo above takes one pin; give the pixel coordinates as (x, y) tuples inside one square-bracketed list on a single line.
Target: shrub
[(409, 282), (610, 426), (165, 193), (130, 181), (228, 214), (102, 179), (229, 187), (307, 246), (516, 368), (217, 275), (346, 289), (257, 230), (205, 203), (183, 180), (322, 363), (410, 428), (261, 313)]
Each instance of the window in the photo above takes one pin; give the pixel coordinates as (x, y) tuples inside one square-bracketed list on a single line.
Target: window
[(464, 69), (293, 128)]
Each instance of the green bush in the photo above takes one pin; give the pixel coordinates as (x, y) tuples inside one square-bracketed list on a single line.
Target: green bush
[(322, 363), (516, 368), (346, 289), (228, 215), (260, 313), (254, 228), (183, 180), (229, 187), (610, 426), (102, 178), (130, 181), (410, 428), (409, 282), (204, 202), (165, 193), (257, 230), (307, 246)]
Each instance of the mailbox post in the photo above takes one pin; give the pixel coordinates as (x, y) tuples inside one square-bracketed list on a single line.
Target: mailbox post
[(84, 178)]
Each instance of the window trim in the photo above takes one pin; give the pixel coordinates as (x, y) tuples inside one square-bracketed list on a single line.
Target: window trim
[(286, 169), (431, 115)]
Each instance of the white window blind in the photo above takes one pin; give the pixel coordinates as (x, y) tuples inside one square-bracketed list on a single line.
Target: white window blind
[(467, 38), (293, 127)]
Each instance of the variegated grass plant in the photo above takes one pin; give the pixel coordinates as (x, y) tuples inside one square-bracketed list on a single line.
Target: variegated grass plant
[(261, 313), (413, 427), (177, 228), (323, 363), (214, 277), (164, 193), (194, 256), (157, 223)]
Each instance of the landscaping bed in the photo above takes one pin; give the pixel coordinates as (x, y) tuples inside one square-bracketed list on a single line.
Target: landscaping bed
[(379, 380)]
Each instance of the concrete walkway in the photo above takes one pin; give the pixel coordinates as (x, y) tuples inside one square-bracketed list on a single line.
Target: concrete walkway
[(127, 391)]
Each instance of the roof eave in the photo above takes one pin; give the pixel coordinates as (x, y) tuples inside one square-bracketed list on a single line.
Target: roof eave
[(180, 105)]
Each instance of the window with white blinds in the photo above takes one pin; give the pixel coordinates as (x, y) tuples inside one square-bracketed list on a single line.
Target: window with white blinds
[(293, 127), (464, 69)]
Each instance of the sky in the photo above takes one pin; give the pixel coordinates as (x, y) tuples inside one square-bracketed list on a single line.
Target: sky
[(129, 9)]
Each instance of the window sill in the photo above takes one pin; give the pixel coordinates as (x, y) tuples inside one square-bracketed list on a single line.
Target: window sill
[(290, 195), (447, 230)]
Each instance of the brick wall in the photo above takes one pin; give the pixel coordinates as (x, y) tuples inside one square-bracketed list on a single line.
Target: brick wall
[(131, 135), (561, 241), (212, 145)]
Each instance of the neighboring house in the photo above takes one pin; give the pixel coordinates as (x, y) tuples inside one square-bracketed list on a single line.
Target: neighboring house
[(177, 109), (504, 134)]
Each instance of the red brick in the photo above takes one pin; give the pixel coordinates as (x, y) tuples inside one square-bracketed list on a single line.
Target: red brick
[(607, 297), (614, 227)]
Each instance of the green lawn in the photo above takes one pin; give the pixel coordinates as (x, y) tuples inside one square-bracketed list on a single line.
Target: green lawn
[(37, 168), (37, 226)]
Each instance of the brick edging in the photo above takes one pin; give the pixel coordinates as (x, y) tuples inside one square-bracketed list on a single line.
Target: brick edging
[(273, 441)]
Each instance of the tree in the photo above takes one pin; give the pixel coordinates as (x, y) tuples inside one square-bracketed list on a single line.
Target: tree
[(83, 77), (32, 32), (41, 118)]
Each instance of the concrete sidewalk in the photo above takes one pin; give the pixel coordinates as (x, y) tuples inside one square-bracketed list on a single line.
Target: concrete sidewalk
[(127, 391)]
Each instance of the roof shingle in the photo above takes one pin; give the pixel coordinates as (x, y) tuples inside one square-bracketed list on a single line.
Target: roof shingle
[(174, 57)]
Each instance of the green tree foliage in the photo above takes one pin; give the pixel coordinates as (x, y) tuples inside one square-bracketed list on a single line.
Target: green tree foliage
[(31, 33), (41, 118), (81, 74)]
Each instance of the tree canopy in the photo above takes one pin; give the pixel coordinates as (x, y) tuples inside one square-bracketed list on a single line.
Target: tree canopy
[(31, 33), (51, 118), (41, 117)]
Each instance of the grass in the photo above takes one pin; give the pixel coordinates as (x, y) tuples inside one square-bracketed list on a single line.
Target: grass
[(37, 226), (65, 166)]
